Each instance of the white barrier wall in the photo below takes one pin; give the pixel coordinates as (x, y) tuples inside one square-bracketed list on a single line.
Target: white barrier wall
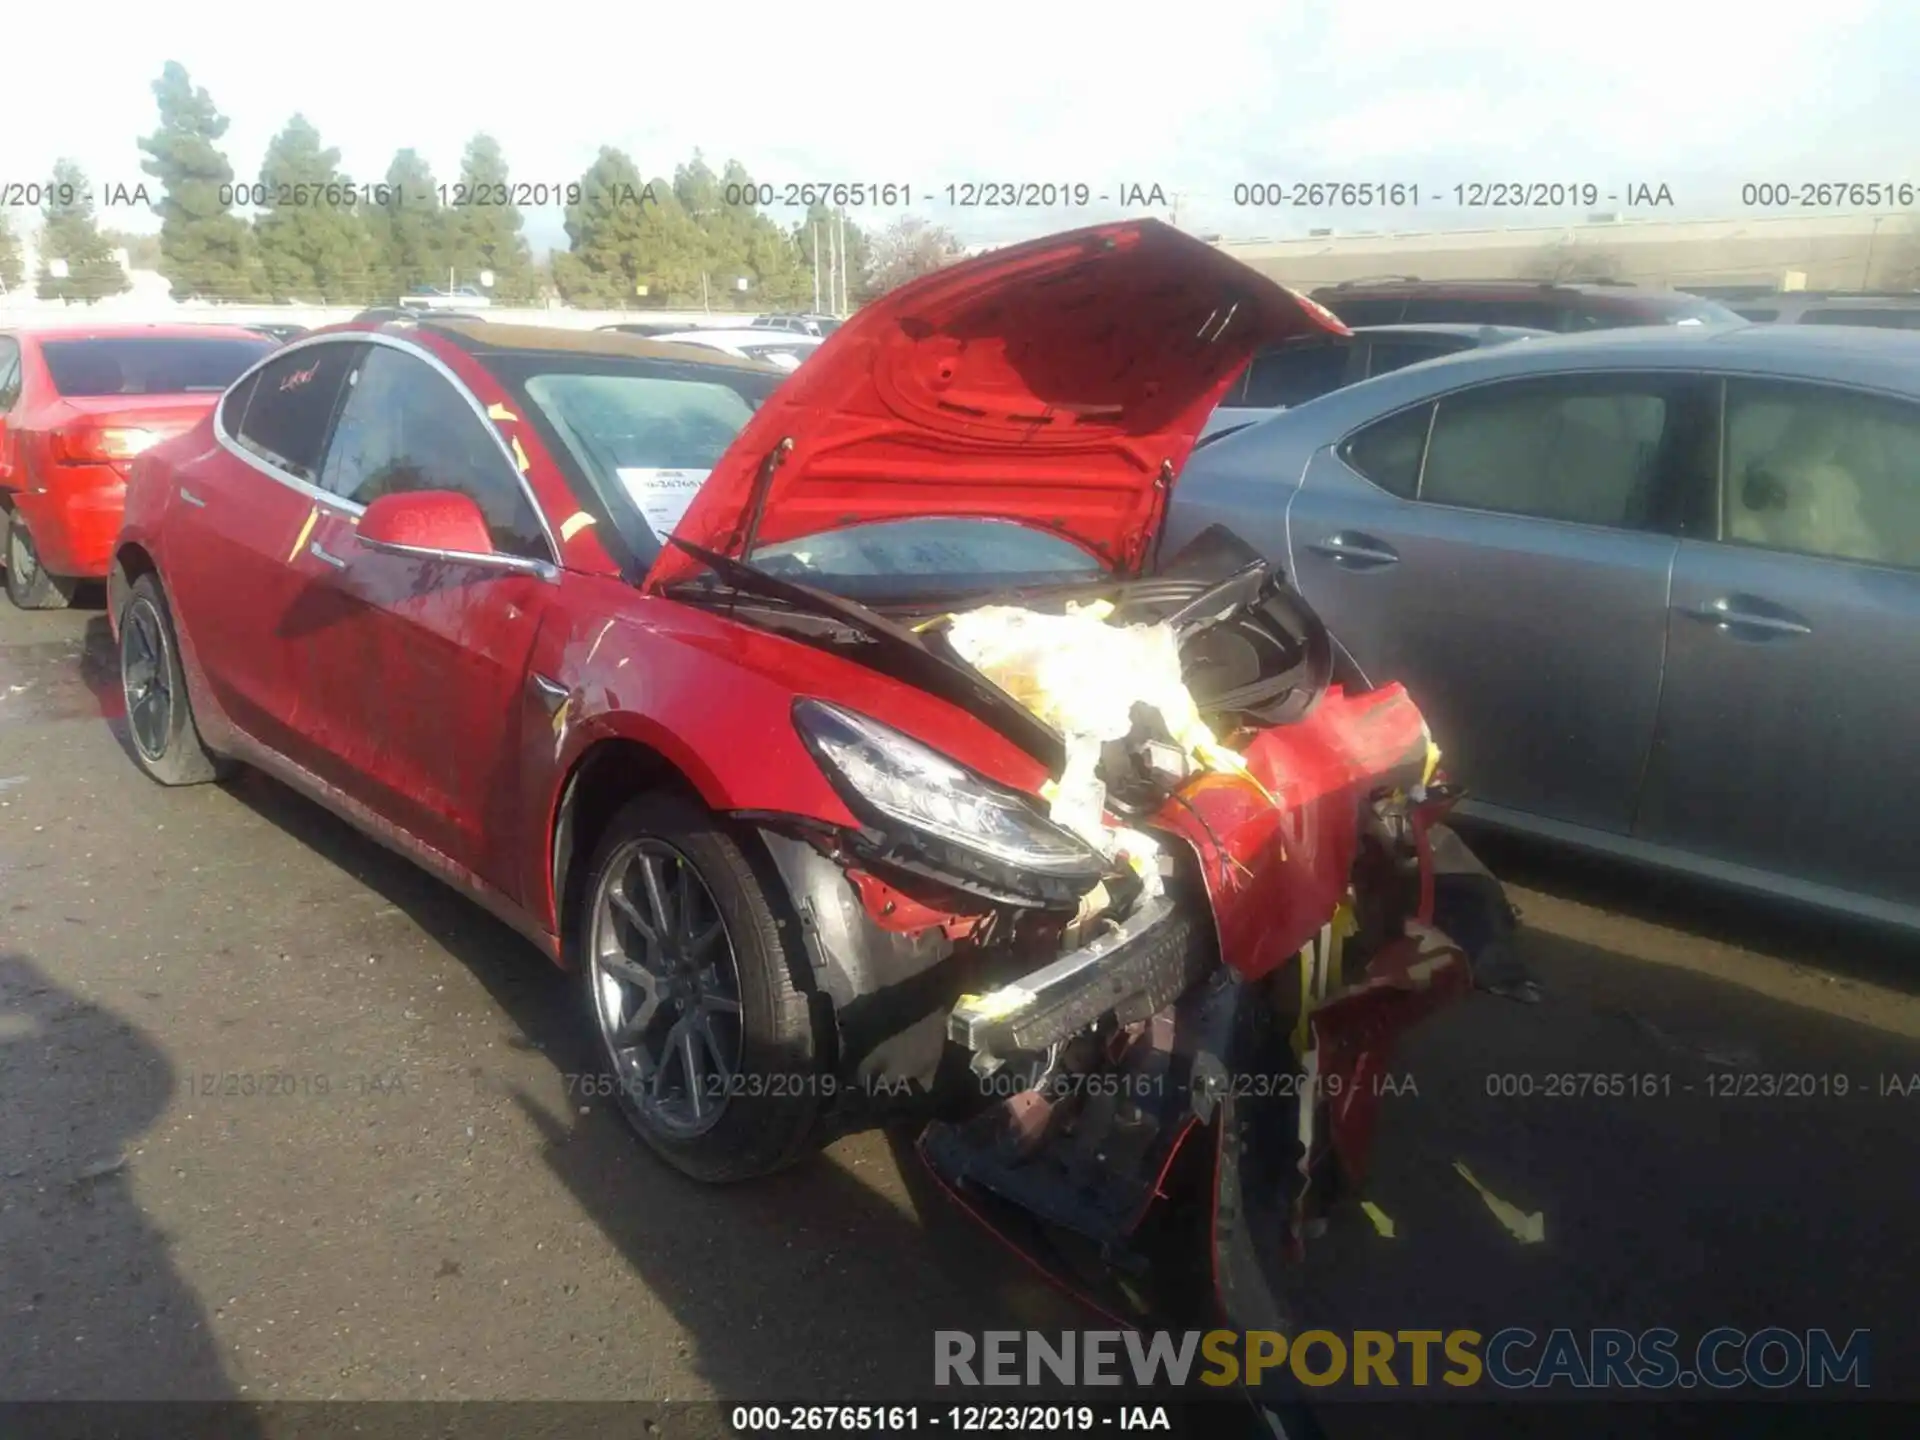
[(24, 308)]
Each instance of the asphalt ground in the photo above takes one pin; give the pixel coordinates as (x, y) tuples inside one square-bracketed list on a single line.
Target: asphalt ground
[(406, 1193)]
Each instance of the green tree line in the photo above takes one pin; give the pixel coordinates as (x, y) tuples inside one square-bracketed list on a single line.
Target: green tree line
[(318, 236)]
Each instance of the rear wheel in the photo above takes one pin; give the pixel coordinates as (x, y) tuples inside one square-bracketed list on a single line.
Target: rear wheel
[(708, 1043), (29, 584), (166, 742)]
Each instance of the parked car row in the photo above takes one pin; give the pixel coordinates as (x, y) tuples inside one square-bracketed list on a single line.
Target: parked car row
[(732, 693), (77, 407)]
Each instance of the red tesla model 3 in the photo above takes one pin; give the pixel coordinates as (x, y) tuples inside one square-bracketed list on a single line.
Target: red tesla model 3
[(642, 648), (76, 406)]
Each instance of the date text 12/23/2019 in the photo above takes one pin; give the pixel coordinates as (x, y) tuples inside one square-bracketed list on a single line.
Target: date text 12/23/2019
[(989, 1419)]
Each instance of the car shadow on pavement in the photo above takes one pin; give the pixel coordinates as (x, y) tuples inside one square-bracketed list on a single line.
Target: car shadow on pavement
[(93, 1306), (1698, 1155), (823, 1282), (1794, 934)]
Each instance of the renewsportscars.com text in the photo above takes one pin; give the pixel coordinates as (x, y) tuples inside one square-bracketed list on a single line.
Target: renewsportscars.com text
[(1512, 1359)]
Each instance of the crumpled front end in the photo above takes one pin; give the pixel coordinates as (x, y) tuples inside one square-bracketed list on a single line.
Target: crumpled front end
[(1238, 894)]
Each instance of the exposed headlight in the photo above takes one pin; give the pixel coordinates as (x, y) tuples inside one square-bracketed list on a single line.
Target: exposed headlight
[(957, 823)]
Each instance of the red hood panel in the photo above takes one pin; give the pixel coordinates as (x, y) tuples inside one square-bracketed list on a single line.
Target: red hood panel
[(1049, 383)]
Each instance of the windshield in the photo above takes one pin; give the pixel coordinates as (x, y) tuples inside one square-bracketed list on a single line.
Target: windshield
[(150, 364), (636, 437), (903, 560)]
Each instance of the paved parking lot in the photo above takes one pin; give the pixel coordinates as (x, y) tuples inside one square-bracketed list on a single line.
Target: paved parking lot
[(403, 1196)]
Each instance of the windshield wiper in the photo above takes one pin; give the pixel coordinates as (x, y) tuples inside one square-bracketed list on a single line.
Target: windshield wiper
[(899, 652)]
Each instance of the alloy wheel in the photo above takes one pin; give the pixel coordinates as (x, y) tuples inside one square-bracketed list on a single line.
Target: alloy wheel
[(145, 679), (666, 988)]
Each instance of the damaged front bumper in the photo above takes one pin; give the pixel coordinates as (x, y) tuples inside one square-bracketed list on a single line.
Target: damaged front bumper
[(1136, 968)]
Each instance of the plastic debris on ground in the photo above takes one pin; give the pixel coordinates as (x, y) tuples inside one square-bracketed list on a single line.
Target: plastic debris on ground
[(1083, 676)]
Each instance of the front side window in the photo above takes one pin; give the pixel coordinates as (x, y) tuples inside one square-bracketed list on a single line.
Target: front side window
[(1822, 471), (290, 405), (150, 365), (1584, 449), (405, 427)]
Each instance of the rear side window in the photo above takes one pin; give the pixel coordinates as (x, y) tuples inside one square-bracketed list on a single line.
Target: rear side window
[(1822, 471), (1362, 312), (1388, 452), (1384, 356), (1469, 310), (292, 405), (1879, 319), (9, 373), (233, 407), (1293, 375), (150, 365), (1586, 450)]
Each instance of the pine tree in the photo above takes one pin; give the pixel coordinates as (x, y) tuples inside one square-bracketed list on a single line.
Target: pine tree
[(311, 241), (486, 229), (749, 245), (411, 230), (12, 263), (615, 245), (205, 248), (71, 233)]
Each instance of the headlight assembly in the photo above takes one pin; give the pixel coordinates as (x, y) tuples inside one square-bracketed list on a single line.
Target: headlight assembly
[(938, 816)]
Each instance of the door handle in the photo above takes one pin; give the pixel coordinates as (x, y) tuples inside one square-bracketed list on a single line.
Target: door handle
[(191, 498), (1357, 550), (320, 552), (1736, 613)]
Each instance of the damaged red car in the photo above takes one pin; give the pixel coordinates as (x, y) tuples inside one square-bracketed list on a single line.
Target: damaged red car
[(845, 732)]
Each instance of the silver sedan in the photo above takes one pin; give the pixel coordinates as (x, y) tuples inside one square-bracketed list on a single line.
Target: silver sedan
[(1658, 589)]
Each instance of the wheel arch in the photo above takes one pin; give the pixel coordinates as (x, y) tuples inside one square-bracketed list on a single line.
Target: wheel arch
[(608, 774), (131, 560)]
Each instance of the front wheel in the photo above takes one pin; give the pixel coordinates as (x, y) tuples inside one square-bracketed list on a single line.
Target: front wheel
[(708, 1043), (30, 585), (166, 741)]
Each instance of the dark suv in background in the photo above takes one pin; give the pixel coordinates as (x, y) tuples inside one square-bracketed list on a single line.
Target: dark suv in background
[(1529, 304)]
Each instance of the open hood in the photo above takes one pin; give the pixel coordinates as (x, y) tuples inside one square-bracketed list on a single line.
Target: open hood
[(1061, 383)]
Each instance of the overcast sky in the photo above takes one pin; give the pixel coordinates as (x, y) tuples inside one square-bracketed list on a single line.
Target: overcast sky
[(1700, 95)]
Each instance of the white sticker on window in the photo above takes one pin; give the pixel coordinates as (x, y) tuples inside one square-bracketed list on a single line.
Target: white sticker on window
[(662, 495)]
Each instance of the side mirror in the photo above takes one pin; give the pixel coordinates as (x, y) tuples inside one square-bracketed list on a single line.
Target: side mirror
[(440, 523)]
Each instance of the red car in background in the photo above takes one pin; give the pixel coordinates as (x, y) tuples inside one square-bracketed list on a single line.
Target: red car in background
[(648, 651), (76, 405)]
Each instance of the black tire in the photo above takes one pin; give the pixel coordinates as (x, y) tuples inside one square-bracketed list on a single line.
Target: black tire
[(167, 745), (29, 585), (771, 1110)]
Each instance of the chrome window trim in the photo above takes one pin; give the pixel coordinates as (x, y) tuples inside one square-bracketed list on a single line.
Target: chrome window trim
[(232, 445)]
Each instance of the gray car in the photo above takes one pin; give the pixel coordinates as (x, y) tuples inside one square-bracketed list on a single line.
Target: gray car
[(1658, 590), (1314, 365)]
